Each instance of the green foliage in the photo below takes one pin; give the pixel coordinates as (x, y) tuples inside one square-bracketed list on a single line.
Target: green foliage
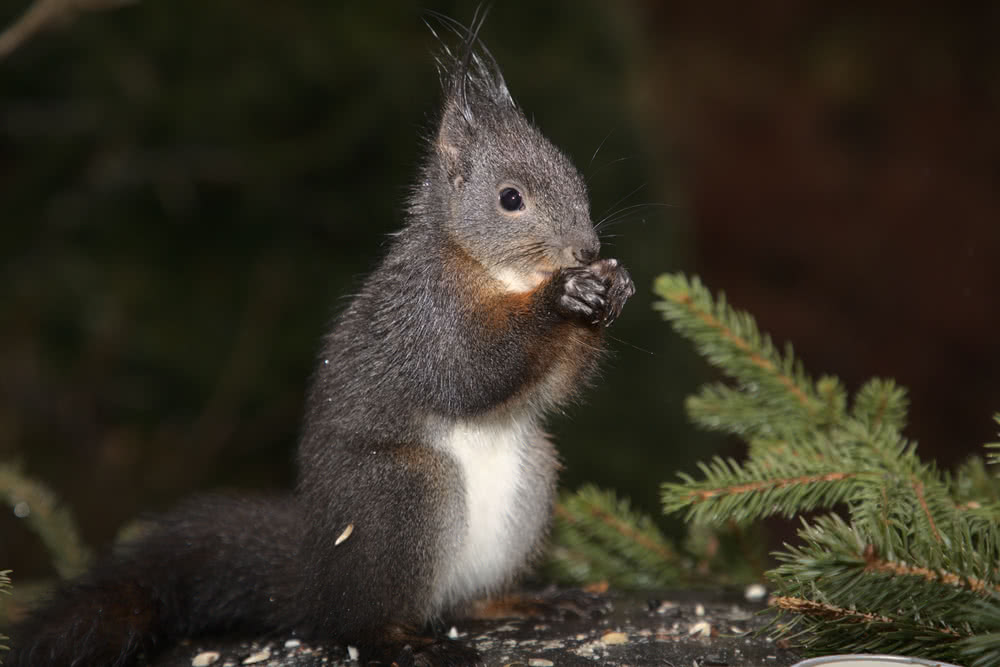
[(599, 537), (994, 455), (41, 512), (912, 568)]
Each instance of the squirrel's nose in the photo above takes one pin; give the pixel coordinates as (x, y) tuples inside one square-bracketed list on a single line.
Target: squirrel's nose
[(585, 255)]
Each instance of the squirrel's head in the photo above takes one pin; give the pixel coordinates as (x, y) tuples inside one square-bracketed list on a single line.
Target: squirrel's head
[(513, 201)]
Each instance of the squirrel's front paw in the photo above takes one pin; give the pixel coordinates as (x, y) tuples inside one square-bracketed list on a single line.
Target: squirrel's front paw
[(596, 293), (619, 287), (582, 294)]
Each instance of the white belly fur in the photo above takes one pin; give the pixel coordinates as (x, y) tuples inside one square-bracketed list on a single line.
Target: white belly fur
[(508, 468)]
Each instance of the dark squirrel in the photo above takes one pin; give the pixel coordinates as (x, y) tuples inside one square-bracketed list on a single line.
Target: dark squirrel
[(425, 478)]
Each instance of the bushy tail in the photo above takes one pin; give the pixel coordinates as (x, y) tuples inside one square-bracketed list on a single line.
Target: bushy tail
[(215, 564)]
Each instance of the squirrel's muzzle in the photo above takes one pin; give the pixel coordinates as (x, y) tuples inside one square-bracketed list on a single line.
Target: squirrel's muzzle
[(581, 252)]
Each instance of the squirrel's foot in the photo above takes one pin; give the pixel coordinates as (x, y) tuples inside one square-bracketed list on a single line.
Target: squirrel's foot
[(550, 604), (573, 602)]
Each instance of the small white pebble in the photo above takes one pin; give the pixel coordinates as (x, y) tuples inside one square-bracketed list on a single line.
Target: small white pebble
[(755, 593), (259, 656), (293, 643), (453, 633), (352, 653), (739, 614), (699, 610), (22, 509), (344, 535), (540, 662), (700, 629), (205, 658)]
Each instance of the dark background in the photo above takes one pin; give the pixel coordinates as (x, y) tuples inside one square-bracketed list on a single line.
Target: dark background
[(188, 190)]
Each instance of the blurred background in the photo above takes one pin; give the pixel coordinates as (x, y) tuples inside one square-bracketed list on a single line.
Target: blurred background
[(189, 189)]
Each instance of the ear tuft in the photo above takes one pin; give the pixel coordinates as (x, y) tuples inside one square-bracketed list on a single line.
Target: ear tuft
[(474, 92), (470, 75)]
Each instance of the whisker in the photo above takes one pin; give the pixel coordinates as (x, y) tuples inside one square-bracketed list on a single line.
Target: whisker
[(600, 146), (530, 250), (626, 213), (580, 340), (626, 197), (605, 166), (634, 347)]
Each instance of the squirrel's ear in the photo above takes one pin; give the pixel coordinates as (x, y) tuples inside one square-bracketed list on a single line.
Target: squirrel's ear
[(452, 142)]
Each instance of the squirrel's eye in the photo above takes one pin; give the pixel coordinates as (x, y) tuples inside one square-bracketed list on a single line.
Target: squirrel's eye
[(511, 200)]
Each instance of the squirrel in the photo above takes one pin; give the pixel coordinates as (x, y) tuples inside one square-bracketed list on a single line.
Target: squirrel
[(426, 480)]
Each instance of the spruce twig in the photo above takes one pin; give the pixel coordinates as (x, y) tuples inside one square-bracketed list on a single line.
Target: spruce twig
[(912, 569), (599, 537)]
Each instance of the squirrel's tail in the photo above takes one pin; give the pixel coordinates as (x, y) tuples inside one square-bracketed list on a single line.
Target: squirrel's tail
[(215, 564)]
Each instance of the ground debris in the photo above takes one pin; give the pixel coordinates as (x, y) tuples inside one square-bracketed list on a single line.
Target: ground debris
[(636, 631)]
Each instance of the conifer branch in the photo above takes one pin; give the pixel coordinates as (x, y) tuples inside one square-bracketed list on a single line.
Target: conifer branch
[(702, 495), (993, 457), (913, 567), (881, 403), (685, 299), (974, 486), (918, 489), (894, 568), (599, 537), (730, 340), (824, 611), (619, 525)]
